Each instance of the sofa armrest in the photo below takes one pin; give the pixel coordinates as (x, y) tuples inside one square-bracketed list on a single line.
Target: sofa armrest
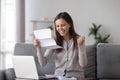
[(2, 74), (9, 74)]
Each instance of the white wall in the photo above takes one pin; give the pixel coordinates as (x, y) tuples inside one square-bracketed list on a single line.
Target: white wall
[(83, 12)]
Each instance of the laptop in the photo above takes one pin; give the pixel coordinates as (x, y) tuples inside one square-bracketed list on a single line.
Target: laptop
[(25, 68)]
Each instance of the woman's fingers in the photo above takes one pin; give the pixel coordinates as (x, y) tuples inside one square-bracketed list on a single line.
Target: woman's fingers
[(36, 43), (81, 40)]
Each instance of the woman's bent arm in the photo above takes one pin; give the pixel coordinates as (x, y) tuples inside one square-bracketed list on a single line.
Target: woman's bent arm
[(82, 51), (82, 55), (42, 60)]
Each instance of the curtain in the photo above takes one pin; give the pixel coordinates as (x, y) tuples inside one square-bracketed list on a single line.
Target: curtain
[(20, 20), (12, 29), (0, 37)]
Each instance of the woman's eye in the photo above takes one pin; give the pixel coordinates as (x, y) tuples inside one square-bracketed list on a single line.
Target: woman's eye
[(63, 25)]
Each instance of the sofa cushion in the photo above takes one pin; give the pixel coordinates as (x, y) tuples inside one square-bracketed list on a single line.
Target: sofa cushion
[(89, 70), (108, 61)]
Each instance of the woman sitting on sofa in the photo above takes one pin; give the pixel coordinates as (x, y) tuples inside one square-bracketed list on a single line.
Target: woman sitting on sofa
[(70, 59)]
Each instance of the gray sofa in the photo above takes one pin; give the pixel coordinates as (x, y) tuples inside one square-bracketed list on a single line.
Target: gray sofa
[(103, 62), (108, 61)]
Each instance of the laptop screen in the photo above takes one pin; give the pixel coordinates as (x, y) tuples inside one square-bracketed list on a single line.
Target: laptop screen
[(25, 67)]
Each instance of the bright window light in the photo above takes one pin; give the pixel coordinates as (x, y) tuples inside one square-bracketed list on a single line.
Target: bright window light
[(8, 30), (8, 25)]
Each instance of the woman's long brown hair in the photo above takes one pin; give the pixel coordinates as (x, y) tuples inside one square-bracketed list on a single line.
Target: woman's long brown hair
[(73, 34)]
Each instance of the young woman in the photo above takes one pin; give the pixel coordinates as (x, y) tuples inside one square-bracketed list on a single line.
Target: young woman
[(70, 59)]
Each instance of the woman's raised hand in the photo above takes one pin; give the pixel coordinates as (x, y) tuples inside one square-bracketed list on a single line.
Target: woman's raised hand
[(81, 40), (36, 43)]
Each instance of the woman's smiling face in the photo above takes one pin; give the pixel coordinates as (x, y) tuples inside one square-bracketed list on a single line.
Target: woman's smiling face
[(62, 27)]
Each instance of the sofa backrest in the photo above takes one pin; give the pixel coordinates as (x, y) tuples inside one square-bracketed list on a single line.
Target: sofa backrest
[(27, 49), (30, 50), (108, 61)]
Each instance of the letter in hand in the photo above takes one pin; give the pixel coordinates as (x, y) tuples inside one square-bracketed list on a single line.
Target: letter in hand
[(81, 40), (36, 43)]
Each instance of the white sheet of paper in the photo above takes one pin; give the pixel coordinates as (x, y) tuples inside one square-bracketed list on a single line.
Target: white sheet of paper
[(42, 33), (44, 36)]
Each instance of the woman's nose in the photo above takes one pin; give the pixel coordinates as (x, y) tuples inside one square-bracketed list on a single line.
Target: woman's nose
[(60, 28)]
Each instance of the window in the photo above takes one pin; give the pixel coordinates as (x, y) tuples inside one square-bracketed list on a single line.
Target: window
[(7, 25), (8, 28)]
